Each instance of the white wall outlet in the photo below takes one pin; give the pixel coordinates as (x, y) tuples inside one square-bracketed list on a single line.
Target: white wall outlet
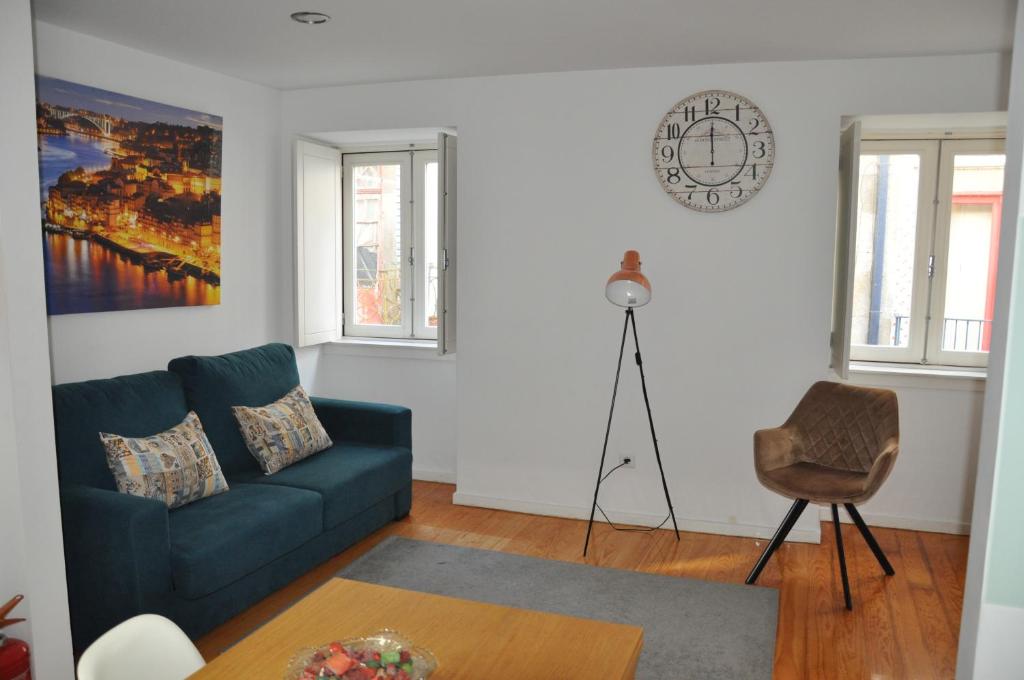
[(627, 461)]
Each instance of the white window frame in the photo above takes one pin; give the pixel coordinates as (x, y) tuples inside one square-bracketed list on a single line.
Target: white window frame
[(420, 159), (951, 149), (413, 227), (935, 188), (926, 151)]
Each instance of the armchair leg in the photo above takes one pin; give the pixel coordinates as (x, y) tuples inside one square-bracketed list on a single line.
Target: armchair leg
[(869, 539), (842, 557), (780, 535)]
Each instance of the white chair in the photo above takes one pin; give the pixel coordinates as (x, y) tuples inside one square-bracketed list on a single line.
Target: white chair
[(146, 646)]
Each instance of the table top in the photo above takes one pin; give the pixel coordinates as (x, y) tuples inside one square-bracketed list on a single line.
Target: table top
[(471, 640)]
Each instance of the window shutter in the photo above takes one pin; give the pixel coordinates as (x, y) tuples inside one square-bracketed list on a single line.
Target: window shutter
[(446, 242), (846, 243), (318, 243)]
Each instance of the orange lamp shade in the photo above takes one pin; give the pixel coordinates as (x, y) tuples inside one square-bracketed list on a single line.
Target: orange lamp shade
[(628, 287)]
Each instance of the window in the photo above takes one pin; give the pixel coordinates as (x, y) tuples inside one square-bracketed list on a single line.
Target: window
[(925, 243), (390, 244), (375, 237)]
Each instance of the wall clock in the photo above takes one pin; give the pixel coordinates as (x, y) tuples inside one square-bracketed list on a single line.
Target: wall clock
[(714, 151)]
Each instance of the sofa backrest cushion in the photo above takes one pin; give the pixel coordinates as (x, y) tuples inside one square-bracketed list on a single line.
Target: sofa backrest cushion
[(252, 377), (136, 405)]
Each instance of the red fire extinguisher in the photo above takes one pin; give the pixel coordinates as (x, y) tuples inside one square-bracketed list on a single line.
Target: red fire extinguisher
[(14, 657)]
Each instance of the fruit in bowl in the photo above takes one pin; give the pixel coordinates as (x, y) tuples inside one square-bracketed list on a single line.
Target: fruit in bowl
[(384, 655)]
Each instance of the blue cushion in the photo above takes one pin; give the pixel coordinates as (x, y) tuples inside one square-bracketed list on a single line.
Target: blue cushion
[(218, 540), (132, 405), (252, 377), (350, 477)]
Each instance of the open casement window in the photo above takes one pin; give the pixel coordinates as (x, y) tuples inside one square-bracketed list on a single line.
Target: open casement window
[(447, 221), (318, 243), (892, 246), (923, 230), (846, 228), (398, 254), (375, 243), (966, 248), (379, 252)]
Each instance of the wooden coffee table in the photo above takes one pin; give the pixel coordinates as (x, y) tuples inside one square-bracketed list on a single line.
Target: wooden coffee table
[(471, 640)]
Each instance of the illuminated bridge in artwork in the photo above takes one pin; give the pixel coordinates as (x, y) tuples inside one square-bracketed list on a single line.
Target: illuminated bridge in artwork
[(104, 124)]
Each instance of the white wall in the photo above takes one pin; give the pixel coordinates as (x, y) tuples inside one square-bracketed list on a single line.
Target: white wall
[(416, 378), (997, 655), (32, 557), (255, 295), (932, 486), (985, 624), (555, 182)]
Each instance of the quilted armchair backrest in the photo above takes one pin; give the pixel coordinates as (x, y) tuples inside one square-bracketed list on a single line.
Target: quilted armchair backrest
[(845, 426)]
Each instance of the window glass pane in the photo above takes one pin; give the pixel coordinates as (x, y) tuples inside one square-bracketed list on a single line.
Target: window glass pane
[(975, 213), (376, 269), (430, 243), (884, 263)]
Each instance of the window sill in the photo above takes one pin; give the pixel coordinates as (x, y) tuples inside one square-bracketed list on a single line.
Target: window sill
[(387, 348), (918, 376)]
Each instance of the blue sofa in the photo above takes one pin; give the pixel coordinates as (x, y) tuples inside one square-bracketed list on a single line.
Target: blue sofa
[(201, 564)]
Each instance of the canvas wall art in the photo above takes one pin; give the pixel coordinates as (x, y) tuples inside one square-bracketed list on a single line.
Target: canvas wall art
[(130, 201)]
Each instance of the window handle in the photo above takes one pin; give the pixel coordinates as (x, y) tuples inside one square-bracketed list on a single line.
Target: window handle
[(412, 258)]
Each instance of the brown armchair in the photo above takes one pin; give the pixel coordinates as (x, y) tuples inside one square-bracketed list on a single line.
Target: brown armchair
[(838, 446)]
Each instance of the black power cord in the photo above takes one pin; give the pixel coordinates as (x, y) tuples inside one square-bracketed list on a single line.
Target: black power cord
[(613, 525)]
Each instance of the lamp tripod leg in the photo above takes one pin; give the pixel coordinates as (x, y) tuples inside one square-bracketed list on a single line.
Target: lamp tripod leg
[(650, 420), (607, 431)]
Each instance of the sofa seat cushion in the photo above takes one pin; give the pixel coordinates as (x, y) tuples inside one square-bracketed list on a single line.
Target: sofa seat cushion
[(349, 477), (218, 540)]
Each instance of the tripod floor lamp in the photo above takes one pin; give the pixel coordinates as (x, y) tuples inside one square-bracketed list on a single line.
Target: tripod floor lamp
[(628, 288)]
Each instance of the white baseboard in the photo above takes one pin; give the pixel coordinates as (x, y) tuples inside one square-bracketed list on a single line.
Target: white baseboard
[(894, 522), (433, 475), (638, 519)]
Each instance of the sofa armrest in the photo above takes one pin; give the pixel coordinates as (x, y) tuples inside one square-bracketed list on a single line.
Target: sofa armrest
[(117, 555), (357, 421)]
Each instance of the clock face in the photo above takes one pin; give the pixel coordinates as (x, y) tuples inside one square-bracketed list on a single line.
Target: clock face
[(713, 151)]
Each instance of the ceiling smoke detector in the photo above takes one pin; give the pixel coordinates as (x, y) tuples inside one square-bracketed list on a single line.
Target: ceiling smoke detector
[(310, 18)]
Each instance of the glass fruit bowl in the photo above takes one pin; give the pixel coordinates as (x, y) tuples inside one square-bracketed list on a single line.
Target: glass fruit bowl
[(385, 654)]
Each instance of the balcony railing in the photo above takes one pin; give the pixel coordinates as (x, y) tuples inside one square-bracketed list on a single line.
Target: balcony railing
[(964, 335), (958, 335)]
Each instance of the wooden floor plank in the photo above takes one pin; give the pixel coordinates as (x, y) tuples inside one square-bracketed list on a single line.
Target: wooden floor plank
[(904, 626), (878, 645)]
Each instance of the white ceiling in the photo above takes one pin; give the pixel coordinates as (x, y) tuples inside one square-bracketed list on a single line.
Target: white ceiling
[(388, 40)]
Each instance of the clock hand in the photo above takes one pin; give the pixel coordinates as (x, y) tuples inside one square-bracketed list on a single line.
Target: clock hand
[(712, 142)]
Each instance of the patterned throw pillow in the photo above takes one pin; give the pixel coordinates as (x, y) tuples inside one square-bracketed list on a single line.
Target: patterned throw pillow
[(177, 466), (283, 432)]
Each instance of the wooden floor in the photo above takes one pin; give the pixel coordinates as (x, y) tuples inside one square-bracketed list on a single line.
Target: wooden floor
[(904, 626)]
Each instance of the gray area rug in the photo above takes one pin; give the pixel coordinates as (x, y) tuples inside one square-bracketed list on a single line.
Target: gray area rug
[(693, 630)]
